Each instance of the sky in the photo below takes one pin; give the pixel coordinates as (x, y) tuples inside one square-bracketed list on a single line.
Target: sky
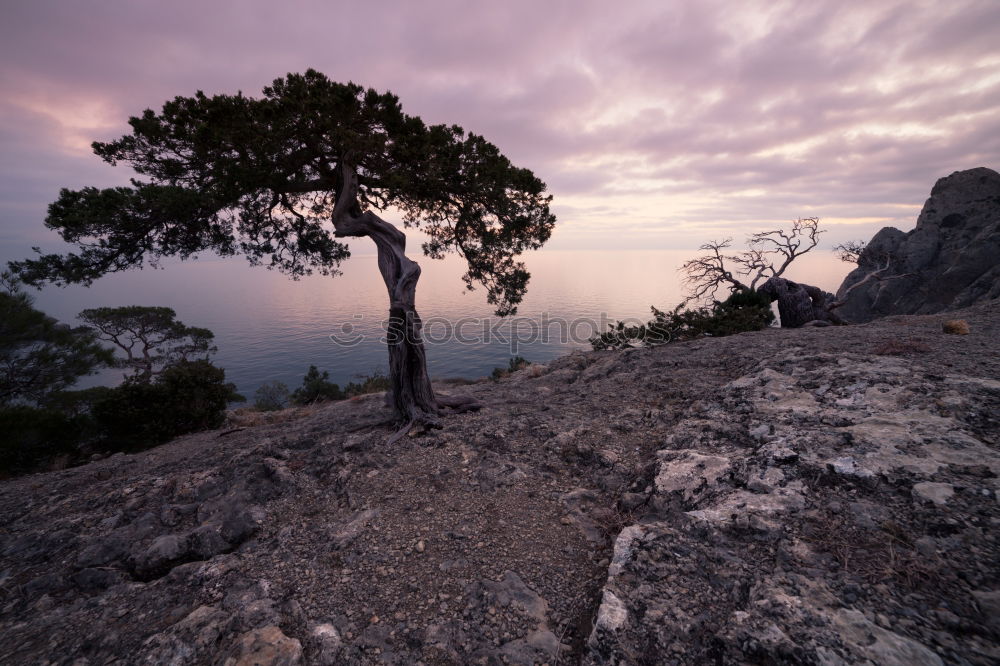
[(657, 124)]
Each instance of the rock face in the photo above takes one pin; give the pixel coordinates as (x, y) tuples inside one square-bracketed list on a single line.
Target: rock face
[(783, 496), (950, 260)]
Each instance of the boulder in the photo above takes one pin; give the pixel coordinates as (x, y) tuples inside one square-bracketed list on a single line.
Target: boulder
[(950, 260)]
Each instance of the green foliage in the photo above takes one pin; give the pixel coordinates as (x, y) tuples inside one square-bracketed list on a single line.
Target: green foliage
[(38, 355), (516, 363), (316, 387), (743, 311), (186, 397), (260, 176), (271, 396), (151, 337), (33, 438), (376, 382)]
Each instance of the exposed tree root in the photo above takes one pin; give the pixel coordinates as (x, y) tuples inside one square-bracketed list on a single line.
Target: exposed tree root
[(460, 404)]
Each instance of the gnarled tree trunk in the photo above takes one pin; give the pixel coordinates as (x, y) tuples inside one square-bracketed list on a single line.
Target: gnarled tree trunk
[(412, 395), (800, 304)]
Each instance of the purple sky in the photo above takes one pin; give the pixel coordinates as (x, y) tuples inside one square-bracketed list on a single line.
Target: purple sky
[(654, 124)]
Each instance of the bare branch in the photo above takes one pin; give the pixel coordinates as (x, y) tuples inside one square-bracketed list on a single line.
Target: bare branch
[(803, 236), (876, 275), (850, 251), (748, 269), (706, 274)]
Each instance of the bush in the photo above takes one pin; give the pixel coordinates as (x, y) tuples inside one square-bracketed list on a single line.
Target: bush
[(742, 311), (271, 396), (33, 438), (316, 387), (516, 363), (376, 382), (186, 397)]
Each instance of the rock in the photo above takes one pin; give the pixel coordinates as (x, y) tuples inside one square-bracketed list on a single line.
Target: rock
[(955, 327), (948, 261), (165, 551), (267, 646), (689, 474), (938, 493), (196, 635), (352, 529), (881, 646), (206, 541), (611, 616), (784, 455), (102, 552), (989, 605), (849, 466), (767, 481), (328, 644), (46, 584), (95, 580), (607, 457)]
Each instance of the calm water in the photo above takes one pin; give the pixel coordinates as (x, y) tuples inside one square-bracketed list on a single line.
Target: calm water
[(268, 327)]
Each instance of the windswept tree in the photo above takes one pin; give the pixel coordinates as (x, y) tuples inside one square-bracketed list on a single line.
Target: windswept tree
[(768, 255), (151, 337), (281, 178), (759, 268)]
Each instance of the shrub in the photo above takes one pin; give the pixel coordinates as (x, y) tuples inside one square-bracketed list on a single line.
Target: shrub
[(271, 396), (34, 437), (376, 382), (186, 397), (316, 387), (742, 311), (516, 363)]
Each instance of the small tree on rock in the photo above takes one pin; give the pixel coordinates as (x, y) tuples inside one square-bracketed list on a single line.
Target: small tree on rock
[(760, 268), (283, 177)]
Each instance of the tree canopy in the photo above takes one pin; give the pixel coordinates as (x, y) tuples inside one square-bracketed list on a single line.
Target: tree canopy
[(151, 337), (38, 355), (262, 176)]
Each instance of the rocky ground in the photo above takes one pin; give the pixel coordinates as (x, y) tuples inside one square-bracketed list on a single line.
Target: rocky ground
[(810, 496)]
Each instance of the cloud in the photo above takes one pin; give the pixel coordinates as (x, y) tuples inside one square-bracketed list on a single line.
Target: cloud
[(658, 123)]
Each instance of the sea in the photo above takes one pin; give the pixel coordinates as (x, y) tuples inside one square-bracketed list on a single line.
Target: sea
[(269, 327)]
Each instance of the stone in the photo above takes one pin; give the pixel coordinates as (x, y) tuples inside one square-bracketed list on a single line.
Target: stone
[(612, 613), (164, 551), (689, 474), (607, 457), (881, 646), (101, 552), (97, 579), (352, 529), (207, 541), (929, 491), (848, 466), (989, 605), (948, 261), (267, 646)]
